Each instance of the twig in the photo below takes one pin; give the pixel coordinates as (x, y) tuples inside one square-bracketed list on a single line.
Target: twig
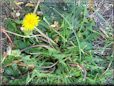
[(43, 39), (49, 69), (4, 31), (104, 32), (16, 61), (81, 68), (35, 9), (41, 45), (49, 39), (50, 66), (107, 68)]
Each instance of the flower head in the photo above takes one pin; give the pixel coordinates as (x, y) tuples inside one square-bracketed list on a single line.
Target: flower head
[(30, 21)]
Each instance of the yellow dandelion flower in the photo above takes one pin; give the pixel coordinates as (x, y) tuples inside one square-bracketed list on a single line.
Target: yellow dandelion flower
[(30, 21)]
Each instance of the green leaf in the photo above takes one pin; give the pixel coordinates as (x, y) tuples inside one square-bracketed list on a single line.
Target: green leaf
[(9, 60), (9, 71), (15, 53), (86, 45), (29, 61), (9, 23), (18, 21)]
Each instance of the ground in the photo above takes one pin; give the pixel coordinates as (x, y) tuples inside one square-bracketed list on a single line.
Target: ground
[(102, 49)]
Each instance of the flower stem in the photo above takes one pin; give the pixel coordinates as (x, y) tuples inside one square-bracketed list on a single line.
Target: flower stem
[(20, 35)]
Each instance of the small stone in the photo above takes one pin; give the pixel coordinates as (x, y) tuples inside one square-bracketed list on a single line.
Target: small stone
[(17, 14)]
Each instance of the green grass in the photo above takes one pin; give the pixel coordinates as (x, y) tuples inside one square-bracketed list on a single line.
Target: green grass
[(70, 61)]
